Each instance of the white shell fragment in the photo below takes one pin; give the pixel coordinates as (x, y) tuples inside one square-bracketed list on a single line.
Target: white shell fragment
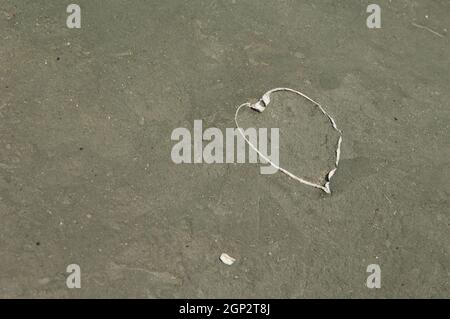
[(227, 259), (261, 105)]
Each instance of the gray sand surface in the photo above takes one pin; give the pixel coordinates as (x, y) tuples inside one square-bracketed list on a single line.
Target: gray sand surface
[(86, 175)]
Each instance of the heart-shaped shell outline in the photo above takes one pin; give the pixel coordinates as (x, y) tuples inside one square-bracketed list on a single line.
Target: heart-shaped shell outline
[(260, 107)]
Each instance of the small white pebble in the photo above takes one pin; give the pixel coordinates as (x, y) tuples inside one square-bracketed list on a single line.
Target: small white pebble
[(227, 259)]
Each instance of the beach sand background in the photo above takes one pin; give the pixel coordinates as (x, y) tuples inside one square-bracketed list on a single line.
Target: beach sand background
[(86, 175)]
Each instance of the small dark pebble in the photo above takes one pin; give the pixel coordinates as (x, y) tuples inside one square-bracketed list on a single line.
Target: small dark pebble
[(395, 118), (81, 148), (38, 243), (58, 58)]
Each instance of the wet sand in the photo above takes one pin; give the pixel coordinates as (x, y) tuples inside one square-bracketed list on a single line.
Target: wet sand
[(86, 175)]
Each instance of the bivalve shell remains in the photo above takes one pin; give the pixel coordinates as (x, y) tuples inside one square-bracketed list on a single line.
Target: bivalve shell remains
[(227, 259)]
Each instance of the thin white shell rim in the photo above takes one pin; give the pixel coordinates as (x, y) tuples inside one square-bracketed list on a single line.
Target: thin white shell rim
[(261, 105)]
